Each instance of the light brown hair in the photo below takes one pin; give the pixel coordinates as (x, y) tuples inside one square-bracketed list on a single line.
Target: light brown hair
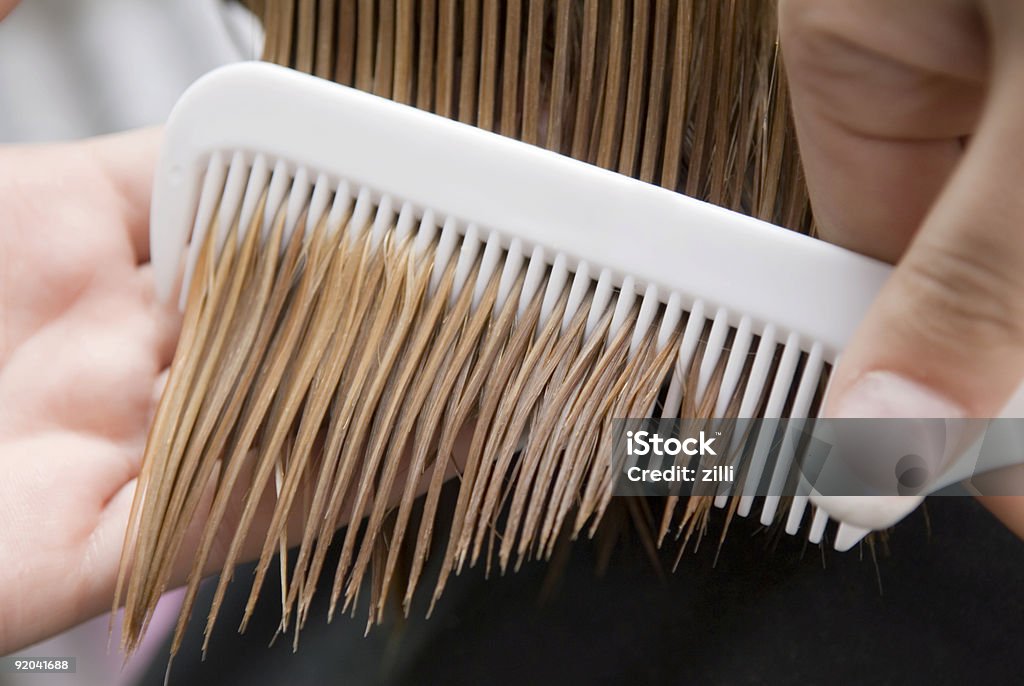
[(333, 374)]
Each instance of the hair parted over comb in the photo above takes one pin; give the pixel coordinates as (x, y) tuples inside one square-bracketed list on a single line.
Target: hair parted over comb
[(332, 377)]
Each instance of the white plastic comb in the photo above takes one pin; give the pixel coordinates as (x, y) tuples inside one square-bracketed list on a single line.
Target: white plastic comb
[(314, 146)]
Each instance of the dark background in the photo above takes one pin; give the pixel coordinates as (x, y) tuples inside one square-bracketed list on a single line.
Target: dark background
[(945, 605)]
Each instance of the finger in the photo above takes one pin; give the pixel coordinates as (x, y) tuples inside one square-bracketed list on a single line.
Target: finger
[(166, 318), (945, 338), (898, 179), (880, 118), (951, 318), (127, 161)]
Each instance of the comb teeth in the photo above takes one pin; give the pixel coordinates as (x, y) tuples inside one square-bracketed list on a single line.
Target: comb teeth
[(237, 188), (753, 372), (570, 239), (471, 277)]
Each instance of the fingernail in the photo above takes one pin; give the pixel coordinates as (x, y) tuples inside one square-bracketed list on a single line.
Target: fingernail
[(888, 395), (885, 459)]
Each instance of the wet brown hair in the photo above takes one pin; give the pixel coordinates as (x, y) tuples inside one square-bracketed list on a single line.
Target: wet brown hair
[(329, 377)]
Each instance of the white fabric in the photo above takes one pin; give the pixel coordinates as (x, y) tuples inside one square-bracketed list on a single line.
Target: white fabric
[(76, 68)]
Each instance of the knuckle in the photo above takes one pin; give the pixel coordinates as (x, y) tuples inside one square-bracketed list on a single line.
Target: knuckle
[(821, 48), (973, 295), (809, 28)]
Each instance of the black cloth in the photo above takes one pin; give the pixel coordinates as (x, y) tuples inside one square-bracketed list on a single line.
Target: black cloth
[(944, 606)]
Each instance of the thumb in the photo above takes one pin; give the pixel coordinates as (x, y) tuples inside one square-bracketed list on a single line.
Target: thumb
[(945, 338)]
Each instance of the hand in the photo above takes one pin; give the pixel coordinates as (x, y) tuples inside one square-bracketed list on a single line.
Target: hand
[(82, 344), (910, 117), (84, 350)]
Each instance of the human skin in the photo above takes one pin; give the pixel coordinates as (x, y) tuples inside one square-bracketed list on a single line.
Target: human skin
[(83, 342), (910, 119), (84, 350)]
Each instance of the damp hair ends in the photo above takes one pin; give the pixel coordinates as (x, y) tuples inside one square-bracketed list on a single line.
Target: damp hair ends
[(333, 376)]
